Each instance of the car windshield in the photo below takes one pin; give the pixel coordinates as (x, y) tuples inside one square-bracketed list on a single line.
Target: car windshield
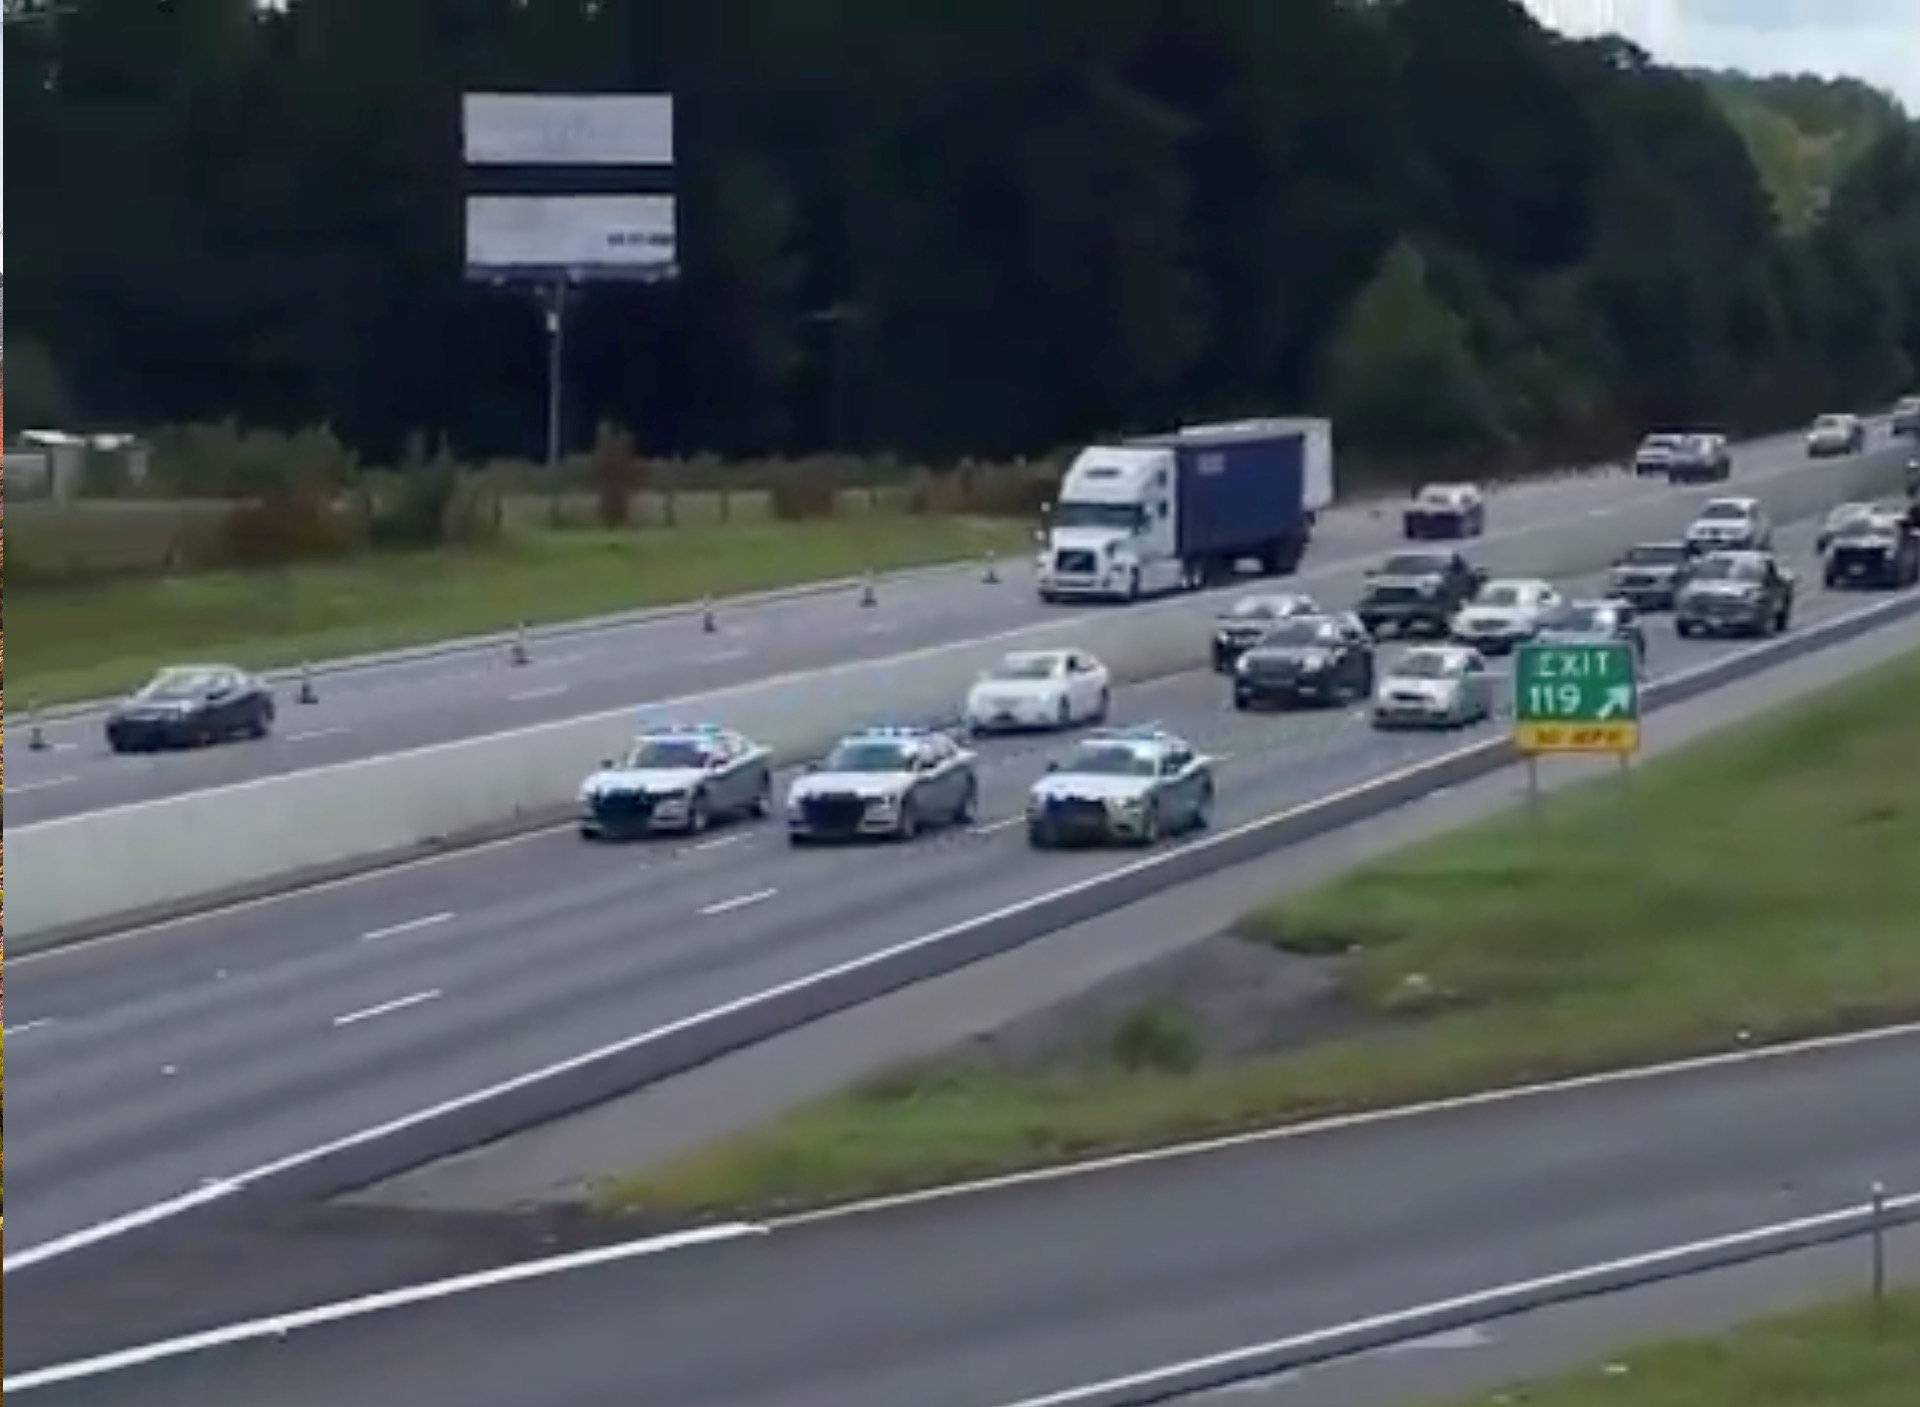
[(1440, 493), (1830, 422), (1730, 569), (1298, 632), (1026, 667), (1579, 619), (1724, 510), (1121, 516), (1661, 442), (668, 753), (867, 756), (1427, 664), (172, 684), (1848, 513), (1665, 554), (1256, 608), (1500, 594), (1111, 761), (1415, 564)]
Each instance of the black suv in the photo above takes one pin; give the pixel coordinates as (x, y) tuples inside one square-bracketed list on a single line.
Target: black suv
[(1418, 591), (1318, 659), (1736, 593)]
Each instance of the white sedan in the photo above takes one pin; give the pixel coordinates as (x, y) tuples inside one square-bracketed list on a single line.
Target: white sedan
[(1434, 686), (1039, 689)]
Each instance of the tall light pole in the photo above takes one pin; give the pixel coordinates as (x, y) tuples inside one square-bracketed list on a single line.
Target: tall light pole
[(836, 316)]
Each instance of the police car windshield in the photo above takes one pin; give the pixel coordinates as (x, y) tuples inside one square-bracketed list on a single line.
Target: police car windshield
[(1108, 761), (1498, 595), (667, 752), (1025, 667), (1656, 555), (1663, 441), (1849, 513), (1415, 564), (1730, 569), (1724, 510), (180, 684), (868, 756), (1427, 664), (1298, 632)]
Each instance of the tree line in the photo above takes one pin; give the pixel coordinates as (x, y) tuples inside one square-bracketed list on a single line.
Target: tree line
[(992, 228)]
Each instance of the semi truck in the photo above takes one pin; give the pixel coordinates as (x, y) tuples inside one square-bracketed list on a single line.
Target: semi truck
[(1181, 510)]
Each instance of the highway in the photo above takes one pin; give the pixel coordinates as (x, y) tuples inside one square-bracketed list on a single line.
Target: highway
[(145, 1064), (992, 1296), (390, 705)]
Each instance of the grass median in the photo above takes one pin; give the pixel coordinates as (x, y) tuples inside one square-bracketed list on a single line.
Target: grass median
[(1755, 886), (1856, 1354), (72, 642)]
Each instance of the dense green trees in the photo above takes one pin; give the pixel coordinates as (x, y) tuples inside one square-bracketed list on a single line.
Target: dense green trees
[(987, 227)]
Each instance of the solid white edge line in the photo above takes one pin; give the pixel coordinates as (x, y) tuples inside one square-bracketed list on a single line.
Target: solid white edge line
[(1557, 1280), (392, 930), (280, 1325), (107, 1230), (367, 1013), (21, 788), (727, 906), (1361, 1119)]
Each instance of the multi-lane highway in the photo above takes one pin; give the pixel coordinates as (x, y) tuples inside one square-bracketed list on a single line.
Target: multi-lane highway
[(146, 1064), (997, 1296), (385, 706)]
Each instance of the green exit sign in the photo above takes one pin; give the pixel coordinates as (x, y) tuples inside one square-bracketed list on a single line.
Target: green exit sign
[(1576, 698)]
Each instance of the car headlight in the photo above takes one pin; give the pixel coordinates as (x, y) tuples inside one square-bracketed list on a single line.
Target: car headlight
[(882, 805), (1127, 806), (1429, 588), (1313, 664), (1242, 665)]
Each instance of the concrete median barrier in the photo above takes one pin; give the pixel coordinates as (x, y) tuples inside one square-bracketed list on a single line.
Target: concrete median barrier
[(146, 860)]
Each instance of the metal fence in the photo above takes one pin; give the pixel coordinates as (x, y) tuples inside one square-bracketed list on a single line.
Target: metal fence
[(1869, 1221)]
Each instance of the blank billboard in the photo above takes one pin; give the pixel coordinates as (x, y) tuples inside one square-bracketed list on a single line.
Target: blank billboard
[(547, 129), (587, 236)]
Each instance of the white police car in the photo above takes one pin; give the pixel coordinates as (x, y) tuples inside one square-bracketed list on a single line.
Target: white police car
[(1125, 784), (884, 782), (677, 778)]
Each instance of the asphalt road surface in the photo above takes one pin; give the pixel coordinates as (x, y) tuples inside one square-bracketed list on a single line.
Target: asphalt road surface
[(377, 708), (990, 1297), (144, 1065)]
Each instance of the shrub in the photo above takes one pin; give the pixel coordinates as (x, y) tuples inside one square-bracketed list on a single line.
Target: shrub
[(618, 474), (1161, 1036), (804, 488), (287, 526), (223, 461)]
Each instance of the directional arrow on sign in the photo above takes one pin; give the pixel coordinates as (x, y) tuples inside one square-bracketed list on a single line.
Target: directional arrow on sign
[(1617, 704)]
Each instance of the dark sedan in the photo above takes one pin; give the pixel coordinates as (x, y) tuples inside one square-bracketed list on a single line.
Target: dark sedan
[(1310, 659), (191, 705)]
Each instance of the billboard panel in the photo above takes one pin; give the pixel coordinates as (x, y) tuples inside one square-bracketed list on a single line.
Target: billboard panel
[(548, 129), (584, 236)]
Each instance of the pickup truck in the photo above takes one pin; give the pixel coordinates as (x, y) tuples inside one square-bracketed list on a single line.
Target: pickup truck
[(1418, 591)]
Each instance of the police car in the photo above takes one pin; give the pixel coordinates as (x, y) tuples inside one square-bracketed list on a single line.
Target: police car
[(677, 778), (1124, 784), (884, 782)]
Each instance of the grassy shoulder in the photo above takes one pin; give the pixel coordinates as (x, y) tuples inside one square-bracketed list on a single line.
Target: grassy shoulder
[(1855, 1353), (73, 642), (1757, 885)]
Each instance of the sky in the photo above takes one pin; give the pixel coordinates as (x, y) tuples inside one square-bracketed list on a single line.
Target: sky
[(1874, 40)]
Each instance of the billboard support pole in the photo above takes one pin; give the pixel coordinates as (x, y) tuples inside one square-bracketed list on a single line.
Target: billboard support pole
[(556, 320)]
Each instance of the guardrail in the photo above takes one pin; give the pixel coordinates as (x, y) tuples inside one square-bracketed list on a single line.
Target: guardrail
[(204, 848), (1871, 1220)]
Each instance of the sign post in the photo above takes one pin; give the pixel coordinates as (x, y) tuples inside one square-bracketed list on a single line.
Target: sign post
[(1576, 698)]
